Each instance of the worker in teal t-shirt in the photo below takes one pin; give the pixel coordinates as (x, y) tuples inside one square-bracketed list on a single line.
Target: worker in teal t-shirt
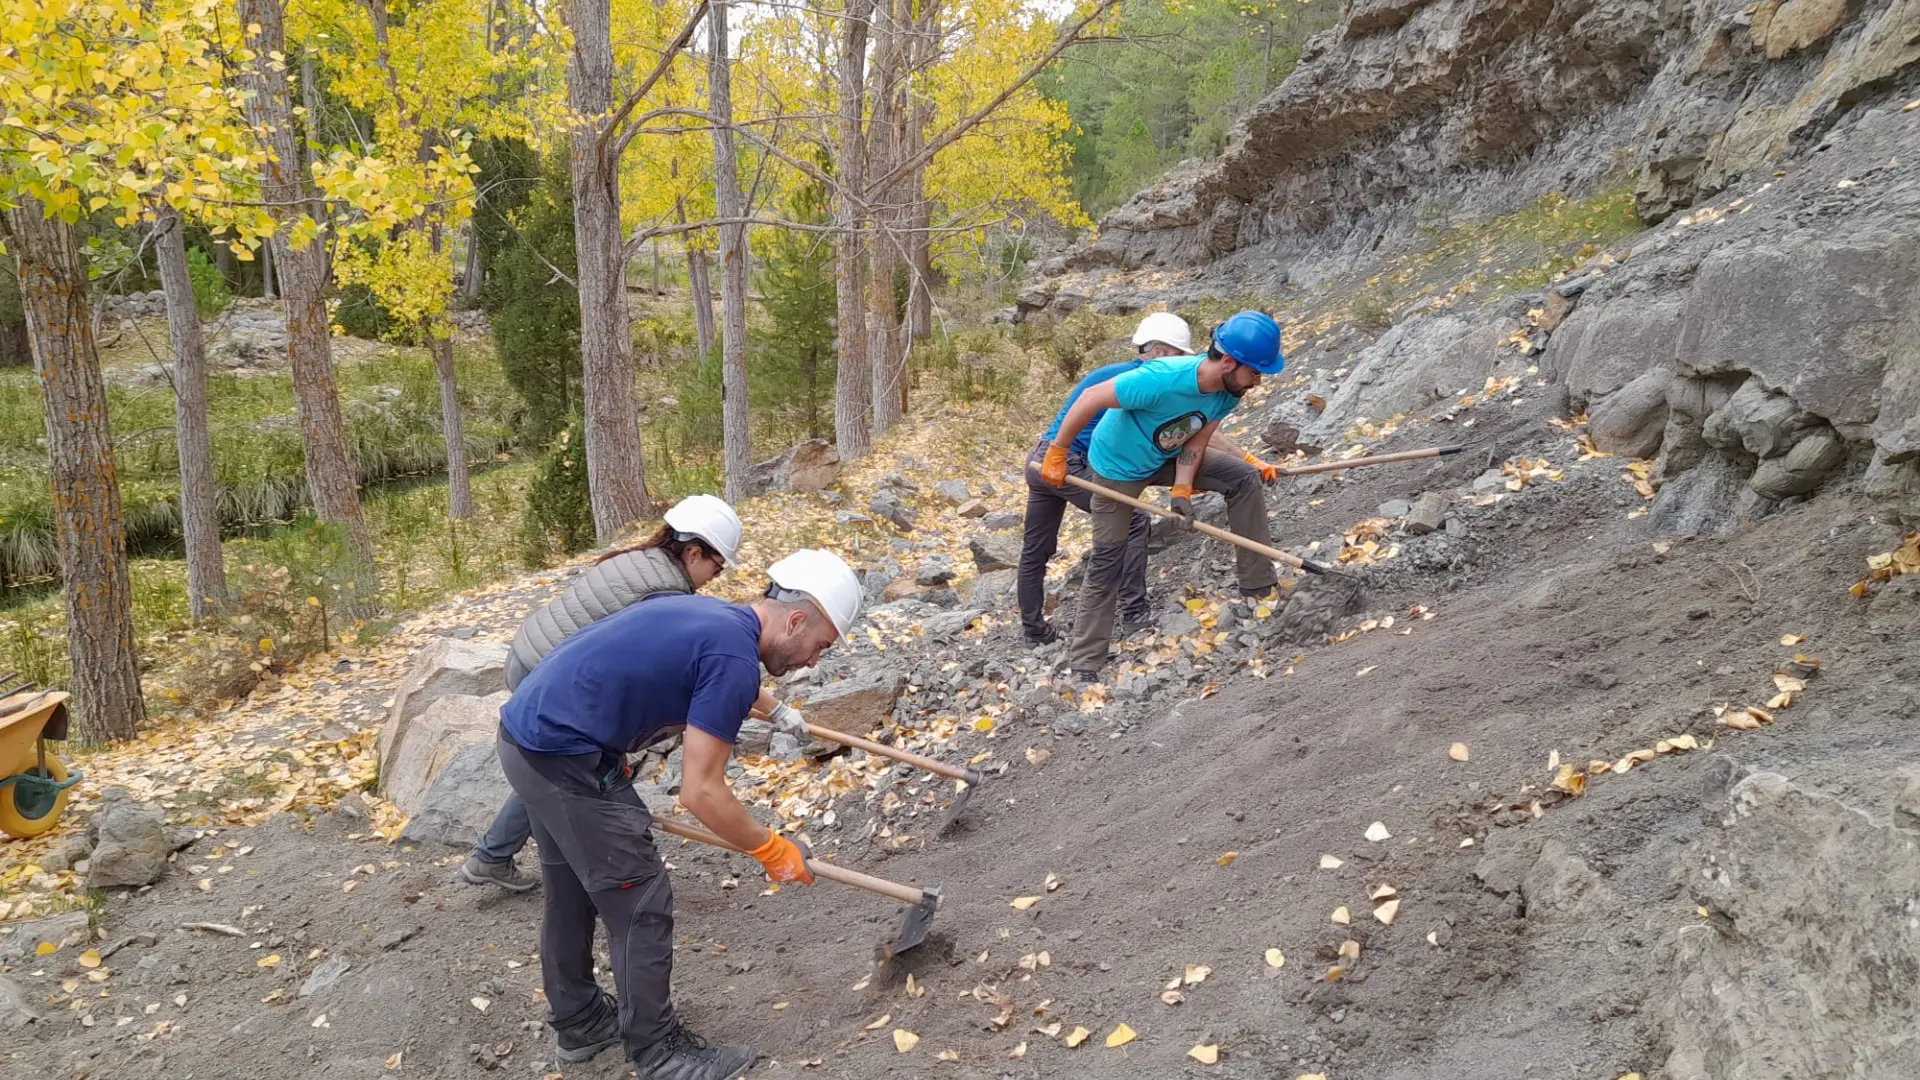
[(1158, 422)]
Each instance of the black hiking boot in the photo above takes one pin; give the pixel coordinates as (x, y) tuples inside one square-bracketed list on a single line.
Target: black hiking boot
[(1046, 635), (585, 1038), (1142, 620), (682, 1055)]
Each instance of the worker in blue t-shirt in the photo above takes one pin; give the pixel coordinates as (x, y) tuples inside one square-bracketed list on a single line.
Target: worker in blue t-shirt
[(667, 665), (1154, 429), (1159, 334)]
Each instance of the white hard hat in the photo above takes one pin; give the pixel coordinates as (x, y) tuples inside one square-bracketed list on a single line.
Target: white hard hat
[(709, 518), (1166, 328), (826, 580)]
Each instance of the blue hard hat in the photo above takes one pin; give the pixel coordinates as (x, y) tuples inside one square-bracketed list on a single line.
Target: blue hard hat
[(1253, 339)]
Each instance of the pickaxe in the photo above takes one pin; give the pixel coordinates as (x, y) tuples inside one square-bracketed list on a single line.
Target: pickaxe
[(921, 903)]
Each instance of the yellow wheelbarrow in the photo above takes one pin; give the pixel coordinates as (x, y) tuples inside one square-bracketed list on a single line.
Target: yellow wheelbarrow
[(33, 783)]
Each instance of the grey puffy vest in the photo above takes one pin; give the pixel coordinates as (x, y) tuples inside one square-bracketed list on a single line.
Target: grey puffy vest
[(599, 591)]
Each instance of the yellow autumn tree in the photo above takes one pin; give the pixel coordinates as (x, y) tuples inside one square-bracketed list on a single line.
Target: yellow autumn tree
[(122, 109)]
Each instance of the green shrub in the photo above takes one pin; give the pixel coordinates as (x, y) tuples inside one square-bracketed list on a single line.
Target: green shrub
[(559, 512), (360, 313), (210, 292)]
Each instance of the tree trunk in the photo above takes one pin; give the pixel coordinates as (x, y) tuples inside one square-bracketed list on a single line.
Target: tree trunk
[(883, 150), (616, 472), (851, 392), (331, 477), (86, 488), (473, 275), (440, 344), (920, 221), (728, 202), (700, 290), (309, 123), (266, 273), (199, 497)]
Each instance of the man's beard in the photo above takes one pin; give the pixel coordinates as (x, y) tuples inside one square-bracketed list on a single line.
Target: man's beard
[(1237, 391), (782, 658)]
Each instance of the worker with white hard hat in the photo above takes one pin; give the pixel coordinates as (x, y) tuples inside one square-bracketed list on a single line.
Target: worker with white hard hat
[(700, 536), (1159, 334), (672, 664)]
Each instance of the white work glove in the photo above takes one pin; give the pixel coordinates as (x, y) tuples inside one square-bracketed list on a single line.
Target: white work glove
[(788, 719)]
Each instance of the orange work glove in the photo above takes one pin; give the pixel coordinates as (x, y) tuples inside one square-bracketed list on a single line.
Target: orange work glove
[(784, 860), (1268, 473), (1182, 504), (1053, 467)]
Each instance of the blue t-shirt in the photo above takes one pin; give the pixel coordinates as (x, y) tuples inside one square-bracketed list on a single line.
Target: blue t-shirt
[(1090, 380), (665, 663), (1161, 407)]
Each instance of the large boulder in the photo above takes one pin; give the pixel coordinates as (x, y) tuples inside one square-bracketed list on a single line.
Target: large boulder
[(1800, 469), (1813, 316), (1603, 347), (1417, 363), (1632, 420), (1756, 423), (130, 842), (67, 930), (856, 705), (812, 465), (994, 589), (445, 775), (14, 1010), (446, 666)]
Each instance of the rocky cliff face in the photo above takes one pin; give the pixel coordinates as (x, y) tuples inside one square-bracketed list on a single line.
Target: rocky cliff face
[(1760, 341), (1491, 101)]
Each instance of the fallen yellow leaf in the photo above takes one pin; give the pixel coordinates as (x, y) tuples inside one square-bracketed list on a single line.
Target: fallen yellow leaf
[(1792, 639), (1760, 714), (45, 948), (1382, 891), (1387, 912), (1077, 1036), (1780, 701), (268, 961), (885, 1019), (483, 1004), (1195, 974), (1349, 950), (1365, 671), (1022, 903), (1121, 1036), (1330, 862), (1205, 1055), (1341, 916), (393, 1060), (947, 1055), (1377, 832), (1458, 751), (1172, 997), (1227, 859), (1275, 958), (904, 1040), (90, 959), (1053, 882), (1311, 1076)]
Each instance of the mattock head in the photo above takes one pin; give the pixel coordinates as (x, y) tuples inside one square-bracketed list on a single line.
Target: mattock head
[(961, 800)]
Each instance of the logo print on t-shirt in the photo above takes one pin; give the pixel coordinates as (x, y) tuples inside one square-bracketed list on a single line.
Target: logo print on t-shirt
[(1173, 434)]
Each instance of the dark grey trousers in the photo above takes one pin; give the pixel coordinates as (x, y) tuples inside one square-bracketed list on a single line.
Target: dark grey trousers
[(597, 859), (1046, 506)]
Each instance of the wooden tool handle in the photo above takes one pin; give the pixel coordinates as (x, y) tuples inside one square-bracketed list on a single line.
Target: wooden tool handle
[(918, 761), (906, 894), (1214, 531), (1375, 459)]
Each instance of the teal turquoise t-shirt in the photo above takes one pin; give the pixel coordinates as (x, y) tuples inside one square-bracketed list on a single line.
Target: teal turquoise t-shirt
[(1161, 407)]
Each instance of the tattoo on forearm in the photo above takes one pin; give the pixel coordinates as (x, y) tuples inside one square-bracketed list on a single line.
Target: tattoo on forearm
[(1188, 457)]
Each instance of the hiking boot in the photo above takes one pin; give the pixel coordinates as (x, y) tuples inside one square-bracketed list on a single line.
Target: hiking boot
[(682, 1055), (582, 1040), (478, 871), (1046, 635), (1084, 679), (1271, 592), (1135, 623)]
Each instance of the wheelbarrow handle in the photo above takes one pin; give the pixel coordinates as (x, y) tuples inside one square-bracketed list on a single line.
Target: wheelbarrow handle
[(1214, 531), (906, 894)]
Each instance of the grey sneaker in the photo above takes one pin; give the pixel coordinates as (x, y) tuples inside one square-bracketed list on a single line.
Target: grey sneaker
[(682, 1055), (477, 871), (582, 1041)]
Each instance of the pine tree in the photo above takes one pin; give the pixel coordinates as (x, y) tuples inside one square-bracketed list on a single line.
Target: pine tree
[(536, 325), (794, 358)]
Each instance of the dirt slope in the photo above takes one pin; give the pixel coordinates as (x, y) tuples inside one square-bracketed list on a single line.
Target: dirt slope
[(1558, 627)]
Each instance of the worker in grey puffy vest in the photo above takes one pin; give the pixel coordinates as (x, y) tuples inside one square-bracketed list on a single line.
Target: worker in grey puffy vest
[(699, 538)]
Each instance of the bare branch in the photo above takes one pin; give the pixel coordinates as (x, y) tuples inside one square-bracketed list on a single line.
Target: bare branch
[(679, 42)]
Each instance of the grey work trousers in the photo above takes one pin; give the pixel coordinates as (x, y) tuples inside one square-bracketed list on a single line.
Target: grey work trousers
[(1246, 516), (597, 859)]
